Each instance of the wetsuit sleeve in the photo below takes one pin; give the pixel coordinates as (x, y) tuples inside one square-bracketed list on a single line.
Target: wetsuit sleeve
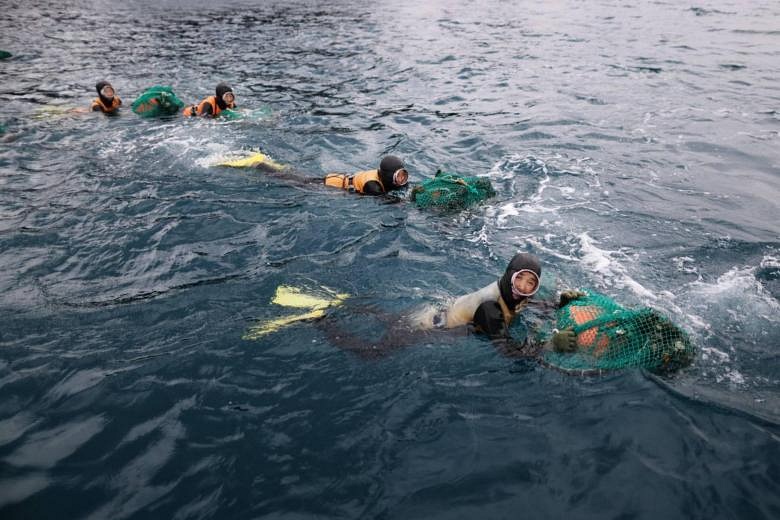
[(206, 109), (96, 108), (461, 312), (373, 188)]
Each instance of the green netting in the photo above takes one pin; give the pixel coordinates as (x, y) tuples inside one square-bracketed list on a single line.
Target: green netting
[(231, 114), (4, 55), (449, 191), (243, 113), (610, 336), (157, 101)]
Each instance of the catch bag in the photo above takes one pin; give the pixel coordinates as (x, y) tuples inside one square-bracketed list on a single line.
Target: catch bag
[(451, 192), (610, 337), (157, 101)]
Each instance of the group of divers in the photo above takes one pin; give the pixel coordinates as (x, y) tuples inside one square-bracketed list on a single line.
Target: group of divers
[(588, 330)]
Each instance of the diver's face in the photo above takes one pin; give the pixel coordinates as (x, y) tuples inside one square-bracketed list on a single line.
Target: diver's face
[(524, 283), (107, 92), (228, 98), (401, 177)]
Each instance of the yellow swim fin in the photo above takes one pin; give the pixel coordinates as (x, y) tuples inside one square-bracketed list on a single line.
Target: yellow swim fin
[(266, 327), (288, 296), (54, 111), (253, 160)]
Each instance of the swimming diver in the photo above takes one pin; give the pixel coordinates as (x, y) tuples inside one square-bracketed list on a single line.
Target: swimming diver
[(489, 311), (391, 175), (107, 101), (212, 106)]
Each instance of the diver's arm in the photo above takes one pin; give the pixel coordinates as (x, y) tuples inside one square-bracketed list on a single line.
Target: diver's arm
[(461, 312), (207, 111), (373, 188)]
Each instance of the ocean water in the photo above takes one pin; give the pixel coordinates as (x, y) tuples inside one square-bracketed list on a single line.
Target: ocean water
[(634, 148)]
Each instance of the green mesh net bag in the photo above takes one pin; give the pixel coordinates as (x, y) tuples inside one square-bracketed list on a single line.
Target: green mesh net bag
[(157, 101), (257, 114), (451, 192), (610, 337)]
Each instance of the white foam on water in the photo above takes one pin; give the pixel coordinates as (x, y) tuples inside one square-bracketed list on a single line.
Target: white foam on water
[(172, 140), (539, 202), (713, 354), (732, 376), (769, 262), (739, 293), (218, 153), (685, 264), (735, 301), (608, 267)]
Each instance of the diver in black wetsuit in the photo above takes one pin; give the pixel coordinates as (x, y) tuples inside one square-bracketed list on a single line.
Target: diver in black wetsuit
[(488, 311), (391, 175)]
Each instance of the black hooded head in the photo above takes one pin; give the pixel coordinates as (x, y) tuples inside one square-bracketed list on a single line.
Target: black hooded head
[(99, 86), (519, 262), (389, 165), (222, 88)]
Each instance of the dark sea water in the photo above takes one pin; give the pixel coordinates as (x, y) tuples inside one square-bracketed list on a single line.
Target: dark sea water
[(634, 147)]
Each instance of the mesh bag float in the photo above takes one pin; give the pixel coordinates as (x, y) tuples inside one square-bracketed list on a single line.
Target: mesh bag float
[(610, 337), (452, 192), (157, 101)]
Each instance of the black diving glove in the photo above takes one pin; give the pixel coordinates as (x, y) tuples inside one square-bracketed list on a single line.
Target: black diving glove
[(569, 296), (564, 341)]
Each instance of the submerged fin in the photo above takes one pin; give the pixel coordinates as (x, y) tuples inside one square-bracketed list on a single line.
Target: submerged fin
[(253, 160), (266, 327), (289, 296), (52, 111)]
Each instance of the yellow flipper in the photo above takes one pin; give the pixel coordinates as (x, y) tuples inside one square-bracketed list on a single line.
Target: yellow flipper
[(54, 111), (253, 160), (261, 329), (288, 296)]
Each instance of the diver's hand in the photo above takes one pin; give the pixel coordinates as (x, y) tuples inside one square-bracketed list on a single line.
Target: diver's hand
[(564, 341), (568, 296)]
